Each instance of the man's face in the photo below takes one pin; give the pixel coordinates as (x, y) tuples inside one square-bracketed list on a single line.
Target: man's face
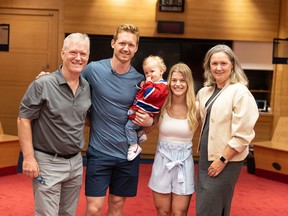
[(125, 46), (75, 57)]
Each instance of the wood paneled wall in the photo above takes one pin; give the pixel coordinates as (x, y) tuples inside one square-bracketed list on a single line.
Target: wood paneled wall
[(57, 5), (255, 20), (245, 20), (281, 71), (32, 48)]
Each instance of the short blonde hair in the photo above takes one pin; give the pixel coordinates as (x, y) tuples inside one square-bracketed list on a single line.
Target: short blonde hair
[(158, 59), (127, 28)]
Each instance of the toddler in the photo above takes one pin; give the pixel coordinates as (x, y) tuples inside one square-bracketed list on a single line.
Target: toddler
[(150, 98)]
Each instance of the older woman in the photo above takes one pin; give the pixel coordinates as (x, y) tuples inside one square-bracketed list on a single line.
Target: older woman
[(228, 113)]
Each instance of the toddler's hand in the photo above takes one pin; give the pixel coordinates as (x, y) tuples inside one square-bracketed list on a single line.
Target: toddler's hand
[(148, 79)]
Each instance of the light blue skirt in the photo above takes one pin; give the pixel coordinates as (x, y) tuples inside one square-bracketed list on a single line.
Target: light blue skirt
[(173, 169)]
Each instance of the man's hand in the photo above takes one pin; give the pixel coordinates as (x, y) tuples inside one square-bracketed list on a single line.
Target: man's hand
[(30, 168), (42, 73), (143, 119)]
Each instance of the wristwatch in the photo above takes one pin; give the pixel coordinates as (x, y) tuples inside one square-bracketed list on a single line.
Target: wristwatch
[(223, 159)]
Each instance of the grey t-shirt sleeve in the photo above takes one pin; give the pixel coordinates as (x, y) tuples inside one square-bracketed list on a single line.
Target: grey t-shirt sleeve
[(31, 103)]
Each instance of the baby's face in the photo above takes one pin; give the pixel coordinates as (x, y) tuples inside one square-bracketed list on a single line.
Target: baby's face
[(153, 71)]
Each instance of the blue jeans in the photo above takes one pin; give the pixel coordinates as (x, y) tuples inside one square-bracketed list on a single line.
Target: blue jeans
[(131, 130)]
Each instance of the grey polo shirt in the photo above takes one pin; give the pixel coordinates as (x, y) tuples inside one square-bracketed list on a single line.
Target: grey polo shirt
[(57, 115)]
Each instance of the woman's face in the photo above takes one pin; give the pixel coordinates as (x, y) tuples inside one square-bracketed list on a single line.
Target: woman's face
[(178, 84), (221, 68)]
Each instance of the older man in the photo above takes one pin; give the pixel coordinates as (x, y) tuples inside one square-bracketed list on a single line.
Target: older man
[(50, 129)]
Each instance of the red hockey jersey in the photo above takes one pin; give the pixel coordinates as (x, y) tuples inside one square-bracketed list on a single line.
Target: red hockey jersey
[(150, 97)]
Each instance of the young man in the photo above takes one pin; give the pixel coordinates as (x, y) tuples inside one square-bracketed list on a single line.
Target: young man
[(50, 129), (113, 88)]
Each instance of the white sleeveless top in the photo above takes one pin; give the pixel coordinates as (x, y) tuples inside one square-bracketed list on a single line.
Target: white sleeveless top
[(175, 130)]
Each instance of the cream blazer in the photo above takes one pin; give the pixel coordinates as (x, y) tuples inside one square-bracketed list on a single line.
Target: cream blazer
[(232, 120)]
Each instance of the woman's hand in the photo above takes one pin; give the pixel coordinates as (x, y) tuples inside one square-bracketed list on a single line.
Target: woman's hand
[(216, 168)]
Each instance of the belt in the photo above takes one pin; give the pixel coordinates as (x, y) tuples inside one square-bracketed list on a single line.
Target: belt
[(57, 155)]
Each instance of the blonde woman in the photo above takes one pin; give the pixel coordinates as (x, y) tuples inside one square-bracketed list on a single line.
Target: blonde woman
[(172, 179)]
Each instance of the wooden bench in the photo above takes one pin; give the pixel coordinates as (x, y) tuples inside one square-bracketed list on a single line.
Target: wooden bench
[(9, 153), (271, 157)]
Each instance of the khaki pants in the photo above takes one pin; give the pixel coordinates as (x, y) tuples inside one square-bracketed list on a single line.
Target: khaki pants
[(63, 179)]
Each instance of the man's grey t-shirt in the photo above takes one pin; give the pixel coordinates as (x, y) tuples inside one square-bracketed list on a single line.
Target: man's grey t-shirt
[(57, 115)]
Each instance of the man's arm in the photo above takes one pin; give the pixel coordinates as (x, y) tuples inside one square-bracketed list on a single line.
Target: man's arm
[(143, 119), (154, 124), (88, 119), (30, 165)]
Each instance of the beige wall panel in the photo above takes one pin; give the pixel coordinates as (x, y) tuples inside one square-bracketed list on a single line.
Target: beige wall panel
[(234, 20), (256, 20), (10, 122), (33, 31), (149, 146), (27, 34), (283, 90), (263, 128), (54, 7), (10, 99), (33, 63), (13, 96), (102, 17), (33, 47), (281, 75), (36, 4), (254, 55)]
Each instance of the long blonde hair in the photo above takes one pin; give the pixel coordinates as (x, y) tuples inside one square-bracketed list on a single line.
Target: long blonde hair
[(190, 94)]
